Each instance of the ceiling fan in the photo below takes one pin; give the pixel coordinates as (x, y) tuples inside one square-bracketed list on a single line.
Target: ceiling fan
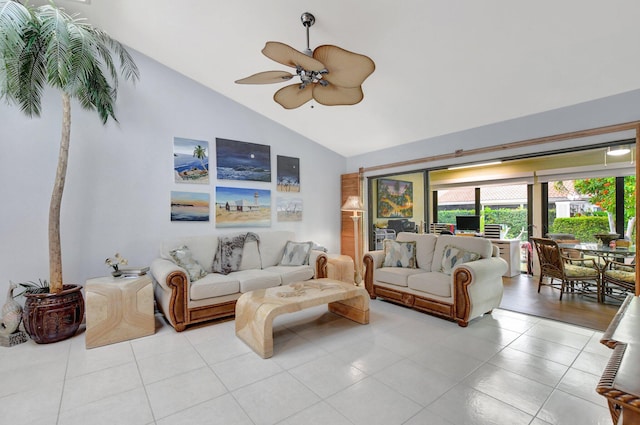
[(329, 74)]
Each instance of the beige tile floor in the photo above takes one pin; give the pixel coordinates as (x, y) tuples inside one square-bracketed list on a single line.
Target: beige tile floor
[(404, 367)]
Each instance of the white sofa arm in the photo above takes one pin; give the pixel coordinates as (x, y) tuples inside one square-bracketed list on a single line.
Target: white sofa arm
[(318, 259), (372, 260), (378, 258), (485, 269), (481, 282), (161, 268)]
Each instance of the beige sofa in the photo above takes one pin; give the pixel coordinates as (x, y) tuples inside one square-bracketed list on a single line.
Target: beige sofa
[(185, 301), (471, 289)]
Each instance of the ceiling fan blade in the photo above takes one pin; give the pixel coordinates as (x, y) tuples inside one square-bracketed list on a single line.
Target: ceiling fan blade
[(332, 95), (289, 56), (291, 97), (346, 69), (267, 77)]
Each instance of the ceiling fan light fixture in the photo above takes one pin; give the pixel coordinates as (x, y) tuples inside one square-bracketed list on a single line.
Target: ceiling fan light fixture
[(335, 75)]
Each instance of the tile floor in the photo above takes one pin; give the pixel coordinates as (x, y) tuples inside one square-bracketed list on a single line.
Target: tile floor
[(404, 367)]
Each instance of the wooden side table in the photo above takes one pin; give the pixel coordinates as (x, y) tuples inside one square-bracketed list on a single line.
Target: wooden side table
[(340, 267), (118, 309)]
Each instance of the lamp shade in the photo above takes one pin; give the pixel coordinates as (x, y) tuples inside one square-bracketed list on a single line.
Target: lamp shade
[(353, 204)]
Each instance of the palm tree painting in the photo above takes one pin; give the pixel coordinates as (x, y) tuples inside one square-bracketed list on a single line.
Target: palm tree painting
[(190, 161)]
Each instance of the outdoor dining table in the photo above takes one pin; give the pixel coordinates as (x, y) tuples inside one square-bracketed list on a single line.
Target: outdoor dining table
[(604, 252)]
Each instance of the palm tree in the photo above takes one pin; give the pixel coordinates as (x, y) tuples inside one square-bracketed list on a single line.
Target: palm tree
[(45, 46), (200, 153)]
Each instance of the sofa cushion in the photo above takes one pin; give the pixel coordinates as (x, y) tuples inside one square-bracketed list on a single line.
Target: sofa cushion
[(296, 253), (290, 274), (272, 246), (453, 256), (433, 283), (395, 275), (250, 280), (214, 285), (482, 246), (250, 255), (399, 254), (183, 257), (425, 246)]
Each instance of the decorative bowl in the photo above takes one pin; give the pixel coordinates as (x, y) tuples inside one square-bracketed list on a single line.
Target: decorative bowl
[(605, 238)]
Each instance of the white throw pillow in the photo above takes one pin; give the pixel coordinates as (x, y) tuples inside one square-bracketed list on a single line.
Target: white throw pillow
[(182, 257), (453, 256), (399, 254), (296, 253)]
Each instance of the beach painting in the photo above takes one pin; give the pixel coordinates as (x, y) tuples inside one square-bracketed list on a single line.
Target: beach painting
[(289, 209), (243, 161), (190, 161), (288, 172), (242, 207), (189, 206)]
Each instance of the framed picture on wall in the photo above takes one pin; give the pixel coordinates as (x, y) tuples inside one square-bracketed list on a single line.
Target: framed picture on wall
[(288, 171), (190, 161), (189, 206), (289, 209), (243, 207), (243, 161), (395, 199)]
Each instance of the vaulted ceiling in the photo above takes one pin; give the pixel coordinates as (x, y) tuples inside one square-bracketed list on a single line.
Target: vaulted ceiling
[(441, 66)]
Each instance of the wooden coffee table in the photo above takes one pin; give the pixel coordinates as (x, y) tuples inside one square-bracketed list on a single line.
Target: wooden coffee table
[(256, 310)]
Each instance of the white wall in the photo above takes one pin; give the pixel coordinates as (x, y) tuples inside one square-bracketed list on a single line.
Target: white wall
[(117, 197)]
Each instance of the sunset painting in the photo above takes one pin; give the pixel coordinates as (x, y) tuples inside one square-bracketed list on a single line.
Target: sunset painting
[(243, 161), (189, 206)]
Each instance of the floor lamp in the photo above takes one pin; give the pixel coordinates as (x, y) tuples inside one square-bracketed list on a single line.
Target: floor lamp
[(355, 205)]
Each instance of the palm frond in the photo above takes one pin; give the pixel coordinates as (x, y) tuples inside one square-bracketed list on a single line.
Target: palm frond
[(46, 46), (14, 21)]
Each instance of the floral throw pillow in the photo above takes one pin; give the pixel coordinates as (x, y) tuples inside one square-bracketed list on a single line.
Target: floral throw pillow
[(399, 254), (453, 256), (296, 253), (182, 257)]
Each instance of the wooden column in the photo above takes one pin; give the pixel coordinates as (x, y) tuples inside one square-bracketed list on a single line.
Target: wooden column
[(350, 184)]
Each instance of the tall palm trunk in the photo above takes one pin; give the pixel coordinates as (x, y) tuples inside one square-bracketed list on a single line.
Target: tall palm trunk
[(55, 253)]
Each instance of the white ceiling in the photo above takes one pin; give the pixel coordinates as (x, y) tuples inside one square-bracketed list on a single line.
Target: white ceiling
[(441, 66)]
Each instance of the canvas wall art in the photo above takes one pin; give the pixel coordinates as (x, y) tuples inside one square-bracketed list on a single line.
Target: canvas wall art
[(190, 161), (242, 207), (289, 209), (189, 206), (243, 161), (288, 170), (395, 199)]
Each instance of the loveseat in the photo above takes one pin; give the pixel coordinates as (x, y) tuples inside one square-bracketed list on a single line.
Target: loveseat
[(189, 291), (455, 277)]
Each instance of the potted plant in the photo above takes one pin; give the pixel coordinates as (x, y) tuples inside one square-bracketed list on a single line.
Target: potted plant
[(44, 46)]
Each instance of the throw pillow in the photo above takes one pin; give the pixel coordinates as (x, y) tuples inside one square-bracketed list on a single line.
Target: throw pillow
[(399, 254), (453, 256), (182, 257), (229, 253), (296, 253)]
